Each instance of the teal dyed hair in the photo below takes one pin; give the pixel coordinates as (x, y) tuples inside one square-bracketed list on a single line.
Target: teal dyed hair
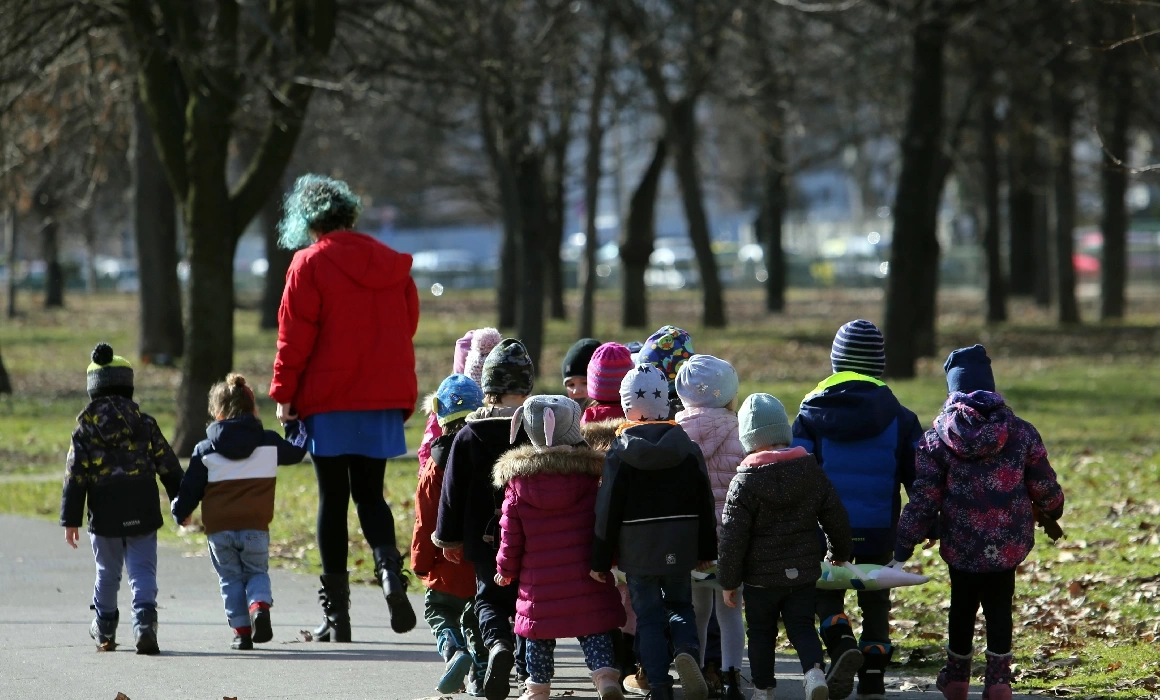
[(317, 203)]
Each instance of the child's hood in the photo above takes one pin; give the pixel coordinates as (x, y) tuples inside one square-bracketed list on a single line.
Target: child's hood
[(974, 425), (115, 419), (710, 428), (548, 478), (854, 409), (236, 438), (767, 473), (649, 446), (601, 434)]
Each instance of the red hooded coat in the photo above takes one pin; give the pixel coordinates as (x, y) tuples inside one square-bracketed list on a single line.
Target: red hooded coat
[(345, 328)]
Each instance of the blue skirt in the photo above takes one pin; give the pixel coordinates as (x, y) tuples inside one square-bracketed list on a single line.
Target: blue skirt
[(374, 434)]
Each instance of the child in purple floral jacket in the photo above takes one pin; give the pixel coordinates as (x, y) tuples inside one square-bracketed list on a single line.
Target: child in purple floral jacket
[(982, 473)]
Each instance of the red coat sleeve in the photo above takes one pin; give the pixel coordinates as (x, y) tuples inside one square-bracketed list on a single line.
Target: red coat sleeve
[(411, 296), (423, 550), (298, 318)]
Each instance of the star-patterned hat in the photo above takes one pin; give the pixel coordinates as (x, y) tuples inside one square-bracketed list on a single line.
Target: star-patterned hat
[(644, 394), (705, 381)]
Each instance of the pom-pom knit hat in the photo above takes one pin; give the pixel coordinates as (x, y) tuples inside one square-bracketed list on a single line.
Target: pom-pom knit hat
[(705, 381), (108, 373), (549, 421), (667, 349), (458, 396), (606, 371), (644, 394), (762, 422), (462, 348), (969, 370), (859, 347), (578, 356), (508, 369), (483, 340)]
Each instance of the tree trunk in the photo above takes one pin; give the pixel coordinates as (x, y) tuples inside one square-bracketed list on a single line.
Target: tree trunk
[(915, 242), (277, 263), (1063, 110), (1021, 164), (11, 244), (773, 205), (53, 272), (637, 245), (531, 290), (1042, 235), (1115, 108), (160, 337), (989, 155), (90, 236), (554, 215), (5, 382), (689, 177), (592, 162), (508, 274)]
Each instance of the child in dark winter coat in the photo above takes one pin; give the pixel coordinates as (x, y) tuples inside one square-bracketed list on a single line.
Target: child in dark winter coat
[(449, 605), (547, 525), (116, 455), (606, 371), (864, 440), (654, 515), (232, 475), (982, 473), (469, 506), (769, 543)]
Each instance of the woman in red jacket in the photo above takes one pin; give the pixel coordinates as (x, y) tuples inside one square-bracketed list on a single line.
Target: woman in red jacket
[(346, 367)]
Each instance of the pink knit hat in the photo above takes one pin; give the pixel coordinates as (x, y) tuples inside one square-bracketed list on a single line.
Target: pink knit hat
[(609, 364), (462, 347), (483, 340)]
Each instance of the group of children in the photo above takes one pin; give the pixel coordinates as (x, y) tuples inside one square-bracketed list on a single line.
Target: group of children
[(645, 505), (116, 455), (630, 514)]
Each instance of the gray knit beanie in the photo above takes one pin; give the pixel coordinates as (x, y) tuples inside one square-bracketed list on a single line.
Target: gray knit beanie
[(705, 381), (549, 421), (762, 422)]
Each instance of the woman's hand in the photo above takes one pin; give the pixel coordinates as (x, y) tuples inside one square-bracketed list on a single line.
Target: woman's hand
[(730, 597), (71, 535), (501, 580), (286, 414), (453, 554), (599, 576)]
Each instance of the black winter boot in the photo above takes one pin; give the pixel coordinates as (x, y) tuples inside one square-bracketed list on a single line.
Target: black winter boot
[(335, 599), (872, 677), (845, 658), (497, 681), (732, 679), (145, 631), (389, 572), (104, 630)]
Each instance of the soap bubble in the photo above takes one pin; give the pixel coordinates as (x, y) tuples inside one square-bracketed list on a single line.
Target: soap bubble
[(437, 289)]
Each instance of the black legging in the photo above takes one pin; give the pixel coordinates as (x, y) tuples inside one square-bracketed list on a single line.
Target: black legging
[(340, 478), (995, 591)]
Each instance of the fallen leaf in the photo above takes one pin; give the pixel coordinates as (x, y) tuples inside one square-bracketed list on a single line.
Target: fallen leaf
[(1116, 666), (1075, 589), (227, 698), (121, 696), (307, 635)]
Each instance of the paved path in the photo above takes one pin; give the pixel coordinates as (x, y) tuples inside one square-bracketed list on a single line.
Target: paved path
[(45, 650)]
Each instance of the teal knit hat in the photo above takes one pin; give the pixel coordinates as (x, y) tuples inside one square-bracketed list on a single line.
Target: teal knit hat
[(762, 422)]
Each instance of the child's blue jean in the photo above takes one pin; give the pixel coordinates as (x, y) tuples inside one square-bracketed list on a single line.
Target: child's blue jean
[(660, 602), (138, 555), (541, 655), (242, 560)]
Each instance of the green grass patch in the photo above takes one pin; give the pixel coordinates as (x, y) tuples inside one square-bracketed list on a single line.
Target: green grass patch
[(1087, 610)]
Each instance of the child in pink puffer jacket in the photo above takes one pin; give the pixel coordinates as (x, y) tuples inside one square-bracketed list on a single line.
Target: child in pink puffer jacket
[(548, 523), (707, 386)]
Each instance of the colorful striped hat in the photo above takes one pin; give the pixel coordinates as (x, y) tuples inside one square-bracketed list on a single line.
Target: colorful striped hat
[(858, 347)]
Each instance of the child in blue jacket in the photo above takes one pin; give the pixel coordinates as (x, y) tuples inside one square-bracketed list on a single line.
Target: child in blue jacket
[(864, 439)]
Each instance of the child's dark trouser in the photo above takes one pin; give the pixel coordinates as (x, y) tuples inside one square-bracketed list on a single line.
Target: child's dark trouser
[(875, 605), (994, 591), (444, 611), (660, 602), (795, 606), (495, 605)]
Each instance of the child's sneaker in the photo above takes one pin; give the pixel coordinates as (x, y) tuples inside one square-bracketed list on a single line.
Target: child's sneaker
[(243, 640), (457, 662), (497, 681), (689, 671), (997, 679), (637, 684), (845, 658), (145, 632), (104, 630), (815, 685), (260, 622), (475, 680)]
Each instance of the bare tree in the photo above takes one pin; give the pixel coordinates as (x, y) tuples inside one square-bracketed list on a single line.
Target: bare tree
[(592, 173)]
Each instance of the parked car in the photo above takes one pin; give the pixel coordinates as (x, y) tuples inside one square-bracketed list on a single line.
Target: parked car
[(453, 269)]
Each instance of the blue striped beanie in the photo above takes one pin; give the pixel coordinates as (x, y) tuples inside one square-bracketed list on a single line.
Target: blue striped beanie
[(858, 347)]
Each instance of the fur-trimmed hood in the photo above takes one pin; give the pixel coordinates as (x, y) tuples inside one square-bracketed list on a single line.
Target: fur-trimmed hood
[(602, 434), (529, 461)]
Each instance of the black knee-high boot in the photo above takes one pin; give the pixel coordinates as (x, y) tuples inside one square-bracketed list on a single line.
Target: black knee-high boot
[(335, 599)]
